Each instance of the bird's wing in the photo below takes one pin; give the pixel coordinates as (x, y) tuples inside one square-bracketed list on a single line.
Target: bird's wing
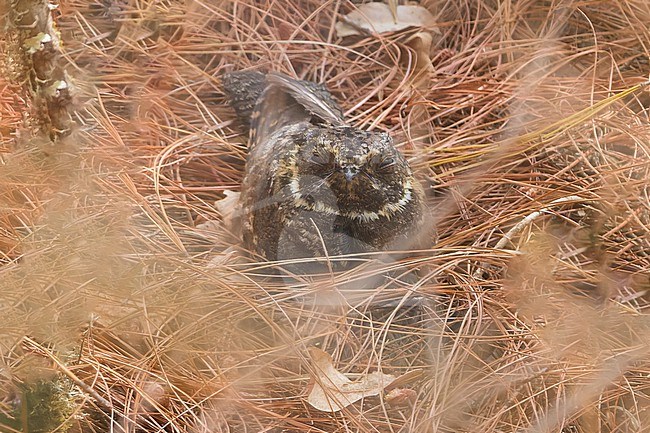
[(315, 98), (287, 101)]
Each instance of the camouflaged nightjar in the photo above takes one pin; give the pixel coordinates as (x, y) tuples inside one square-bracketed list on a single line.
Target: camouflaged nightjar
[(315, 186)]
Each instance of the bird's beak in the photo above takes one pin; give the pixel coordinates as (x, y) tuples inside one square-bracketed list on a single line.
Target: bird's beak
[(350, 172)]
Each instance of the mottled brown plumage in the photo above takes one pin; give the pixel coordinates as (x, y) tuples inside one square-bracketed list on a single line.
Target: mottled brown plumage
[(315, 186)]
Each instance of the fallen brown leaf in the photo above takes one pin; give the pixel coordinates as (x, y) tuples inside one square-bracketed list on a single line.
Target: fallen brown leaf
[(333, 390), (377, 17), (401, 397), (229, 208)]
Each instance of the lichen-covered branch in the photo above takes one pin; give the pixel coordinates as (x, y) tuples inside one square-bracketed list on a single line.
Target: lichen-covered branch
[(32, 64)]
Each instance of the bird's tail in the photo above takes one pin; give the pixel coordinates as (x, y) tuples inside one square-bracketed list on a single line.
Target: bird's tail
[(243, 89)]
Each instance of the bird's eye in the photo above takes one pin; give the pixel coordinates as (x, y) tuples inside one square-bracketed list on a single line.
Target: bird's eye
[(318, 158), (381, 162), (386, 163)]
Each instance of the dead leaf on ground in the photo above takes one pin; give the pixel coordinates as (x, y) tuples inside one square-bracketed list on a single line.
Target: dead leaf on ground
[(401, 397), (230, 209), (378, 17), (421, 45), (333, 390), (230, 256)]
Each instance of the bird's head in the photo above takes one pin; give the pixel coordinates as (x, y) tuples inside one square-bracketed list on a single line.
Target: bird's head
[(357, 173)]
